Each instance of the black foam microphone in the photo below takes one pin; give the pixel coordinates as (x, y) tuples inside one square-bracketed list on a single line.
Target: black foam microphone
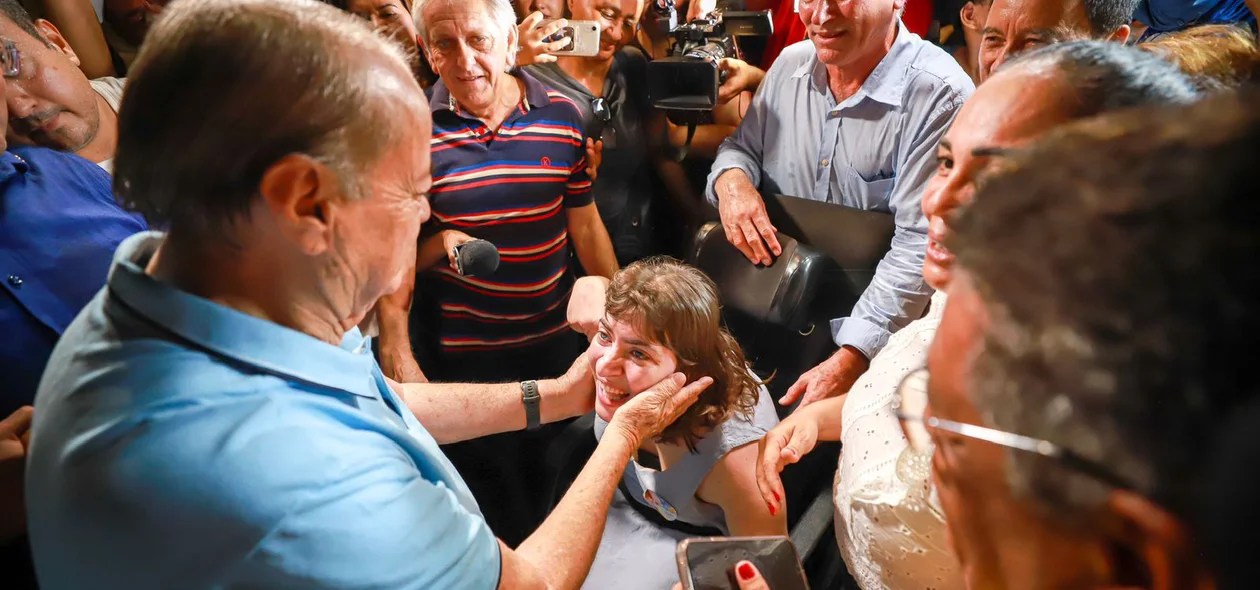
[(476, 258)]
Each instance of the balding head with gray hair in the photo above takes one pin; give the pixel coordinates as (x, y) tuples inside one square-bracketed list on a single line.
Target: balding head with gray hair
[(224, 89)]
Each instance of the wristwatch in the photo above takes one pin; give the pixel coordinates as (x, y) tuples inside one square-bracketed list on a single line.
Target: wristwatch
[(530, 397)]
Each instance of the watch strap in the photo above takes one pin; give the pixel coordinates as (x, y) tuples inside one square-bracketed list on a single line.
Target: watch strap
[(531, 399)]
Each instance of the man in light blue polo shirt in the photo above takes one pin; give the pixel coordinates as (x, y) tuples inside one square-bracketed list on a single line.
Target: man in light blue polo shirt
[(213, 418)]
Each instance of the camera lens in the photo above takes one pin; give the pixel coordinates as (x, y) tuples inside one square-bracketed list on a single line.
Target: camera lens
[(710, 52)]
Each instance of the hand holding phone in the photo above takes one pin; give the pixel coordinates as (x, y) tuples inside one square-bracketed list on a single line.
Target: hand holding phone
[(582, 35), (536, 39), (710, 563)]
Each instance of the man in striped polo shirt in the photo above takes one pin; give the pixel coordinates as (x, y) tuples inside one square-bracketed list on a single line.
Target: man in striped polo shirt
[(509, 167), (524, 188)]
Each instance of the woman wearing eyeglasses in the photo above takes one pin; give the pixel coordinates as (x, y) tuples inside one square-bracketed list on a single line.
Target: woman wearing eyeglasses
[(888, 519)]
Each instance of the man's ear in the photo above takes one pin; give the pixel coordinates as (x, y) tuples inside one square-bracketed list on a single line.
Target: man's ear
[(1157, 544), (54, 38), (513, 45), (967, 15), (298, 191), (1121, 35), (424, 51)]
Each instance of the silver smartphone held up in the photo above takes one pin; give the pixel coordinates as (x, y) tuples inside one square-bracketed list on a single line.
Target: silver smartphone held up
[(708, 563), (583, 36)]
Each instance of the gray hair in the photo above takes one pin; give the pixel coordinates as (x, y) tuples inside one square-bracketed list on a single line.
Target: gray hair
[(223, 89), (1105, 76), (1116, 259), (500, 11)]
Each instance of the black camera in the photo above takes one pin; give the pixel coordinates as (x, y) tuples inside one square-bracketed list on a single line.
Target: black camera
[(689, 78)]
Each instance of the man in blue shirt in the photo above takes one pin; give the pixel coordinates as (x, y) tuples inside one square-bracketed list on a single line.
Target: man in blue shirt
[(59, 228), (851, 116), (59, 225), (214, 417)]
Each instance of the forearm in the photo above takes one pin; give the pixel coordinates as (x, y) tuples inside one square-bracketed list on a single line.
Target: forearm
[(563, 547), (452, 412), (896, 296), (730, 113), (744, 149), (392, 316), (78, 24), (594, 248)]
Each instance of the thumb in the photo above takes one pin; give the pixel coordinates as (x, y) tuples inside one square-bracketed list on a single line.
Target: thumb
[(749, 578), (17, 423)]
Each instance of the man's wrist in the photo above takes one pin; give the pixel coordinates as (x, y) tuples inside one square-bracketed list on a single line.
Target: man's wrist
[(622, 437), (849, 355), (727, 181), (558, 400)]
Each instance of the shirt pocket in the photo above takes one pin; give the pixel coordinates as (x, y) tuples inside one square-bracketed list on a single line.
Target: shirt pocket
[(867, 193)]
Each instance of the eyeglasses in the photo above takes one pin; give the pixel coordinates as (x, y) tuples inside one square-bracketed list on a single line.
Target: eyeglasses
[(911, 407), (11, 60)]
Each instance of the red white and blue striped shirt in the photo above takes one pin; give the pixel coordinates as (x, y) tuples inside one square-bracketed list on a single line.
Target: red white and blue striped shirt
[(510, 187)]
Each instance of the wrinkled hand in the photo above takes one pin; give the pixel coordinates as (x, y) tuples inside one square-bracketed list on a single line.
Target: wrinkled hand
[(647, 414), (740, 76), (594, 157), (586, 305), (535, 47), (452, 239), (747, 576), (784, 445), (744, 218), (831, 378), (15, 439)]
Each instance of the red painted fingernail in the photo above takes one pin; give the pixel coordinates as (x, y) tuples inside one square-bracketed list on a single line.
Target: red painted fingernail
[(746, 571), (772, 510), (776, 497)]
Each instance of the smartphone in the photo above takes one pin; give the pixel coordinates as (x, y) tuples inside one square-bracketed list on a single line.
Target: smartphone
[(708, 563), (583, 36)]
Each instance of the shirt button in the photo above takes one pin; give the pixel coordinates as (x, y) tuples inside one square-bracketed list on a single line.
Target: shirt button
[(15, 280), (824, 162)]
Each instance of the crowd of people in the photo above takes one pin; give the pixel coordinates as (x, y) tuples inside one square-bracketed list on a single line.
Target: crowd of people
[(243, 348)]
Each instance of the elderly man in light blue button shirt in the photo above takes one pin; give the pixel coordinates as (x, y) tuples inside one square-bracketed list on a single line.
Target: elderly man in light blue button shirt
[(214, 418), (851, 116)]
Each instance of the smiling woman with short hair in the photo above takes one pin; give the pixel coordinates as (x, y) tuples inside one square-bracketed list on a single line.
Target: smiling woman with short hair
[(699, 476)]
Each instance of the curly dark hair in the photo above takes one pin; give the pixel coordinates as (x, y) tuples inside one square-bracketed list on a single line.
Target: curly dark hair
[(1118, 263), (675, 305)]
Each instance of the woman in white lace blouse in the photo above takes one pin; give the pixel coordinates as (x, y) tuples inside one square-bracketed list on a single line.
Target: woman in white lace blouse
[(888, 522)]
